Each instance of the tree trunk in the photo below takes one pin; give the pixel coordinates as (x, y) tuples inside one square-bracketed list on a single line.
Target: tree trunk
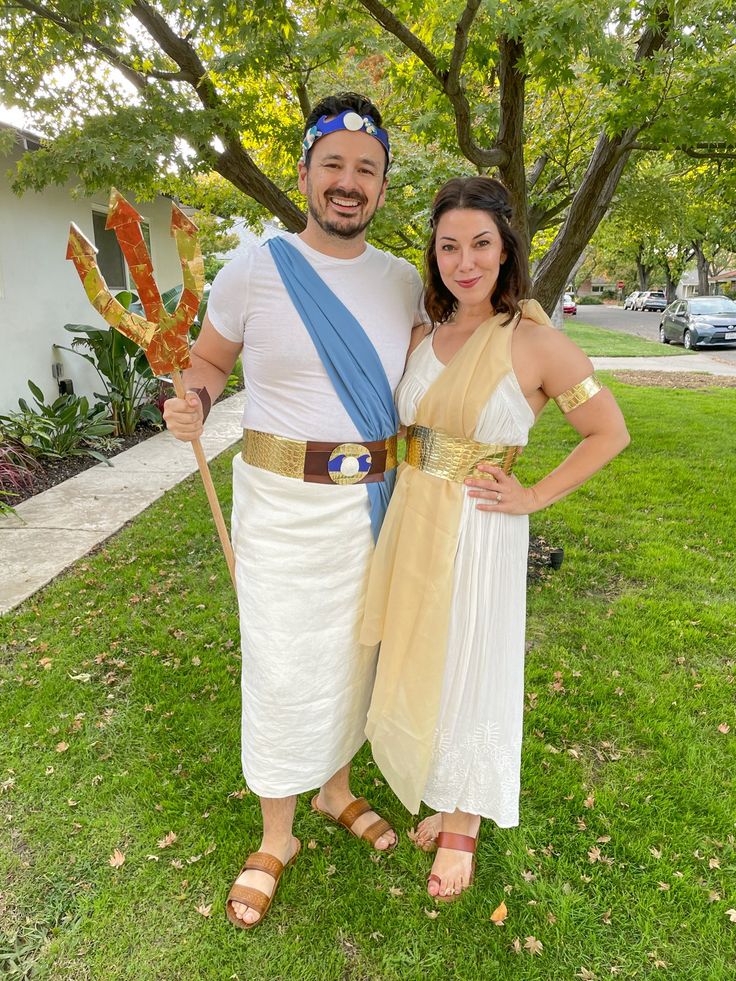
[(511, 134), (643, 271), (586, 212), (703, 269)]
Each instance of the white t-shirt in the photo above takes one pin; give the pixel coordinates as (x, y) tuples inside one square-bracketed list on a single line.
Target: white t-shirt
[(288, 391)]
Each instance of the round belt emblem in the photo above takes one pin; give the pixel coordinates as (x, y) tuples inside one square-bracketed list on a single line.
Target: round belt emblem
[(349, 463)]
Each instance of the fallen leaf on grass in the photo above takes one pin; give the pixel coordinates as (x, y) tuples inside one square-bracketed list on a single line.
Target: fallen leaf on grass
[(589, 802), (167, 840), (528, 876), (663, 886), (395, 891), (153, 858), (117, 858), (533, 945), (499, 914), (432, 913), (331, 869), (45, 663), (61, 747), (72, 803), (84, 677), (731, 914), (714, 863), (516, 945), (204, 910), (311, 844), (585, 974), (177, 863), (594, 855), (656, 852), (606, 918), (724, 727), (48, 771), (713, 896), (196, 661)]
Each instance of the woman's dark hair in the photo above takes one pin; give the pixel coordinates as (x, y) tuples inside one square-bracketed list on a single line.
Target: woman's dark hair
[(333, 105), (513, 284)]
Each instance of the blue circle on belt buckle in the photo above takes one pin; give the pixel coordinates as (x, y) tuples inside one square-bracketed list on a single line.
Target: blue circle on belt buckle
[(349, 463)]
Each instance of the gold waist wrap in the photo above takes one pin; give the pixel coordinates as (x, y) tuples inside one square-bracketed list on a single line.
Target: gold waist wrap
[(453, 457)]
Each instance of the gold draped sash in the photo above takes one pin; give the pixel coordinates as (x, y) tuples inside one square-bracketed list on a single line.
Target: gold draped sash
[(410, 588)]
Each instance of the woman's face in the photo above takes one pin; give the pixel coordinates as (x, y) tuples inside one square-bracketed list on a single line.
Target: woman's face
[(470, 252)]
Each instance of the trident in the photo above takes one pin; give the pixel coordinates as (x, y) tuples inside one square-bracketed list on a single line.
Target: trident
[(162, 335)]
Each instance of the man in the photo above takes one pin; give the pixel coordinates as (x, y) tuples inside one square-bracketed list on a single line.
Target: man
[(323, 320)]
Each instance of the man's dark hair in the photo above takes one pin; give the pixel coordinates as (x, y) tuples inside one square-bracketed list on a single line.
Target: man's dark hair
[(333, 105)]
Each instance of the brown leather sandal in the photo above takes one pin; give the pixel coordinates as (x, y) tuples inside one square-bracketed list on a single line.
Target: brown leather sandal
[(458, 843), (248, 896), (351, 814)]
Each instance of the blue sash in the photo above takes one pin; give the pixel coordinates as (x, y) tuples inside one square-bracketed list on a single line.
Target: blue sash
[(349, 357)]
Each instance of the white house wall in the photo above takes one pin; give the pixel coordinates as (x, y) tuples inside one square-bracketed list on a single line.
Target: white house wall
[(40, 290)]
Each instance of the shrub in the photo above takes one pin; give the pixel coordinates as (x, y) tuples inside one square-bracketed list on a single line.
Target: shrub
[(16, 472), (62, 429), (590, 301)]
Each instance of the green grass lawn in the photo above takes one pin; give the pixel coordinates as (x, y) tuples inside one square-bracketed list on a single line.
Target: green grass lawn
[(599, 342), (119, 708)]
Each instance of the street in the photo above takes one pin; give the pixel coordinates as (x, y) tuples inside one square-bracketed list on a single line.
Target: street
[(643, 324)]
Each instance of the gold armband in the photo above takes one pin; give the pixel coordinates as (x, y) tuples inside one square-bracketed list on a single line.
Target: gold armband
[(578, 394)]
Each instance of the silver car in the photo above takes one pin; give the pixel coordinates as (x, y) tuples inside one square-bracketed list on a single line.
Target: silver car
[(650, 300), (700, 321)]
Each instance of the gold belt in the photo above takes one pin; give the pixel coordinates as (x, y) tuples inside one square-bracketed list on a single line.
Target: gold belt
[(317, 462), (452, 457)]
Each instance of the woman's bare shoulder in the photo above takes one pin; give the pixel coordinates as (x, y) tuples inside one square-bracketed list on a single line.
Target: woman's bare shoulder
[(418, 333)]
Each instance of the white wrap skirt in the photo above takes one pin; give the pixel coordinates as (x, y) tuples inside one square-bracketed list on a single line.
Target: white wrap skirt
[(302, 555)]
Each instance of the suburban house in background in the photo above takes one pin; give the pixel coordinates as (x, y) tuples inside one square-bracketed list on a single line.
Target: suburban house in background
[(724, 283), (597, 286), (40, 290)]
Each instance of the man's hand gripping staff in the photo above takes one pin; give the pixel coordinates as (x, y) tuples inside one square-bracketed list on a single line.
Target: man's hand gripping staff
[(162, 335)]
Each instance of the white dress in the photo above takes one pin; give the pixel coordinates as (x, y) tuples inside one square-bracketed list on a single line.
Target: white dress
[(477, 745)]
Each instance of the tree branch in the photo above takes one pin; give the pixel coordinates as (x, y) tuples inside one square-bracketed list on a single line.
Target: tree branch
[(536, 172), (74, 29), (449, 80)]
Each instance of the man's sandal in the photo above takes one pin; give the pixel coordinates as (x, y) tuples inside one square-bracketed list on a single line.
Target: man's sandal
[(458, 843), (351, 814), (257, 900)]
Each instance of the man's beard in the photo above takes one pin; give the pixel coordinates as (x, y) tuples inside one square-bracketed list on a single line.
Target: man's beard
[(336, 229)]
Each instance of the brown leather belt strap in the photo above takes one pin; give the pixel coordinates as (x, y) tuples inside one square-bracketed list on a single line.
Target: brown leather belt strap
[(310, 460), (318, 454)]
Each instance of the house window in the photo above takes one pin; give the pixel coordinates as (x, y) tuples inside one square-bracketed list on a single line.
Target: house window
[(109, 255)]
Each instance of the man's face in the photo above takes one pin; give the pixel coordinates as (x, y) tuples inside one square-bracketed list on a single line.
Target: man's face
[(344, 183)]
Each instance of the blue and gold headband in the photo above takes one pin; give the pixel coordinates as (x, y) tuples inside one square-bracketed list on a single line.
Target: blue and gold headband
[(348, 120)]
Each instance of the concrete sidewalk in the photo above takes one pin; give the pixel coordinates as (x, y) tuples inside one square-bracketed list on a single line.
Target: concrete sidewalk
[(52, 530), (693, 363)]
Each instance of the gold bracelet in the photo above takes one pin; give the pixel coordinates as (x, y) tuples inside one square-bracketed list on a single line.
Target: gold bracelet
[(578, 394)]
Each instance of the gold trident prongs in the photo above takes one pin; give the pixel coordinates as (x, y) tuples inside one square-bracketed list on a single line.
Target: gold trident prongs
[(163, 336)]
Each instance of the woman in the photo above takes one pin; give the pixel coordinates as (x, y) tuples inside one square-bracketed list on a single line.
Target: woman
[(448, 583)]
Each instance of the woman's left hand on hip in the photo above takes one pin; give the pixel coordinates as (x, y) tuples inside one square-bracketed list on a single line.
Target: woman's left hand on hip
[(501, 492)]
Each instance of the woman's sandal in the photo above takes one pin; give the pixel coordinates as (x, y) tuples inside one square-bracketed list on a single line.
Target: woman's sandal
[(458, 843), (248, 896), (351, 814)]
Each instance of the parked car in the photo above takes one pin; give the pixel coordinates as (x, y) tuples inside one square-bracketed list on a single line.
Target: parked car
[(650, 300), (569, 305), (630, 299), (700, 321)]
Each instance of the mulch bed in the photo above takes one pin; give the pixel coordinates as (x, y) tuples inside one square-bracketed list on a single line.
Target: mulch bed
[(674, 379), (52, 472)]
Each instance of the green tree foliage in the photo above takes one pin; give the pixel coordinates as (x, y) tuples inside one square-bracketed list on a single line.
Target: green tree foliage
[(669, 210), (554, 97)]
